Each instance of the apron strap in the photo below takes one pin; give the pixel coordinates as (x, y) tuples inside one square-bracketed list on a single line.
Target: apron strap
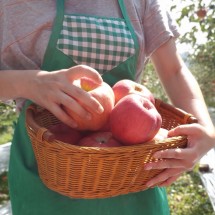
[(60, 8), (57, 26), (128, 22), (59, 16)]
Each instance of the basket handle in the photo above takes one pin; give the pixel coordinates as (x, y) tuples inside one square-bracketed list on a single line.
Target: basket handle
[(187, 117), (41, 132)]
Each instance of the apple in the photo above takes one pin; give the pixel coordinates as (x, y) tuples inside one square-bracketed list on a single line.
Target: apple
[(201, 13), (104, 94), (106, 127), (126, 86), (161, 135), (134, 120), (99, 139), (65, 133)]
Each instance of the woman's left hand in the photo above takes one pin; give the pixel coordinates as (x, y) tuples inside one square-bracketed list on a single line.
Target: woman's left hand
[(176, 161)]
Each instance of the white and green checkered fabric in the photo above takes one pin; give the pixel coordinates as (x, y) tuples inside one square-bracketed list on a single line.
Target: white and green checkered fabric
[(101, 43)]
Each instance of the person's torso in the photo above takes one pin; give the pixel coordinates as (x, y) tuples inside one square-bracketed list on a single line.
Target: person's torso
[(25, 28), (24, 40)]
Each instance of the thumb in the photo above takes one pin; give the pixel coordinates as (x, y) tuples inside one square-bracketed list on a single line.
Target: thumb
[(188, 129)]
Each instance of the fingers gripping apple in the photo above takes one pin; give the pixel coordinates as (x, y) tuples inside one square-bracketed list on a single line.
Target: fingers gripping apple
[(134, 120), (103, 93)]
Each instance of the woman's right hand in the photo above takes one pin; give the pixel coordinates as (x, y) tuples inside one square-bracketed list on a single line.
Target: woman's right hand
[(55, 90)]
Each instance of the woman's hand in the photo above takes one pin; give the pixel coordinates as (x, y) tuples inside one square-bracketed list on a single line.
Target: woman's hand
[(176, 161), (55, 90)]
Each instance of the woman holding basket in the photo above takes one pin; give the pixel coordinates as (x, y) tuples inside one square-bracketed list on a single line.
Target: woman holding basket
[(46, 44)]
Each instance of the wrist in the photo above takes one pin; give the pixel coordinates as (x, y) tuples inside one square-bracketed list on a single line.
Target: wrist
[(25, 84), (14, 84)]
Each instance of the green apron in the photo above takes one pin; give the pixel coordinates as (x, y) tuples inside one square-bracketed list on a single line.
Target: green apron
[(29, 196)]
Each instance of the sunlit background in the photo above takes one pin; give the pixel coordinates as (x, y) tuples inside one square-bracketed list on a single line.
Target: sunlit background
[(185, 24)]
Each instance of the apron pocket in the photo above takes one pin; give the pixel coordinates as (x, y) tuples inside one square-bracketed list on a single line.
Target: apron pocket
[(101, 43)]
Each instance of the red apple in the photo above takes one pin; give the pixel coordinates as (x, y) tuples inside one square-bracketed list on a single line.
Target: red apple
[(125, 87), (134, 120), (104, 95), (106, 127), (201, 13), (99, 139), (65, 133), (161, 135)]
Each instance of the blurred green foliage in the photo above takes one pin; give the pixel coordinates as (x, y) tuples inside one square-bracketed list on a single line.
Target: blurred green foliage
[(202, 65), (151, 81), (8, 117), (200, 24), (4, 192), (187, 196)]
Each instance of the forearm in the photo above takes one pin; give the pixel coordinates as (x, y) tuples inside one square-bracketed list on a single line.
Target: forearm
[(15, 83), (179, 83)]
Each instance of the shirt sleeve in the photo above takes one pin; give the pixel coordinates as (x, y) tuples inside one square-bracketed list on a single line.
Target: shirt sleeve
[(158, 26)]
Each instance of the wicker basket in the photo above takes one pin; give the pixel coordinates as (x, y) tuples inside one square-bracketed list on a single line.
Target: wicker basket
[(91, 172)]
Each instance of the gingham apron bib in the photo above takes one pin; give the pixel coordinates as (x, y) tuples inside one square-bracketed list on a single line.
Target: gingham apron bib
[(110, 46), (100, 43)]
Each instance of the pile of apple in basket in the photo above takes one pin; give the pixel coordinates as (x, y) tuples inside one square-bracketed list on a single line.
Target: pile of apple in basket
[(129, 117)]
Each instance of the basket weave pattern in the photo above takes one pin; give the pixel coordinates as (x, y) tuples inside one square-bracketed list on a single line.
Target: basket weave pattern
[(90, 172)]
